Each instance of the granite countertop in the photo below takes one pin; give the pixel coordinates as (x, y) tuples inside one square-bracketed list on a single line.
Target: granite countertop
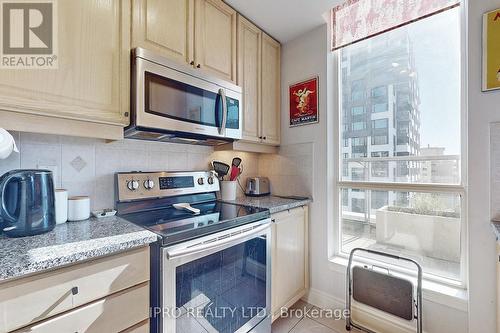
[(496, 228), (273, 203), (69, 243)]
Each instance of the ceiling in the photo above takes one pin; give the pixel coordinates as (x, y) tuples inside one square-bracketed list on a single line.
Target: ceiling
[(284, 19)]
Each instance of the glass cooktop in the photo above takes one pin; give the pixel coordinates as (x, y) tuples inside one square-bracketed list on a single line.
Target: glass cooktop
[(178, 225)]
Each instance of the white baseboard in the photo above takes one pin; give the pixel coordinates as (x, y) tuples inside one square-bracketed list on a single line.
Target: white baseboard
[(383, 323)]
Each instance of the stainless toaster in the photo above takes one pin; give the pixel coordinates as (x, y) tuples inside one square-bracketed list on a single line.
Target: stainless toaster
[(258, 186)]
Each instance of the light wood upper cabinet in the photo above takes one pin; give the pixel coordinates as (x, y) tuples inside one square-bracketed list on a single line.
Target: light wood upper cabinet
[(498, 285), (92, 80), (164, 26), (249, 66), (290, 273), (215, 38), (271, 90)]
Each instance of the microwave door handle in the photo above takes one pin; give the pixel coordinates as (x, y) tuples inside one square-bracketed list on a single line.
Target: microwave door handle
[(222, 129)]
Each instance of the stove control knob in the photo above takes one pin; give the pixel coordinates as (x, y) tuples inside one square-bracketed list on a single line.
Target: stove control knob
[(211, 180), (149, 184), (133, 185), (201, 181)]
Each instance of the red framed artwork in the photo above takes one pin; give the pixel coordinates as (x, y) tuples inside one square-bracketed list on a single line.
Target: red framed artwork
[(304, 102)]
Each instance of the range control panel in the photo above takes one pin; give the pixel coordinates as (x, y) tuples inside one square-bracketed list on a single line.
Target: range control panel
[(146, 185)]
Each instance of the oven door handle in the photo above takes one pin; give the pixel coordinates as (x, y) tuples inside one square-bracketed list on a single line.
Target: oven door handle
[(225, 242)]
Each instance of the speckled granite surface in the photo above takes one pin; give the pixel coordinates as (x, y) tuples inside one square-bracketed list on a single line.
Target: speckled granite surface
[(273, 203), (496, 228), (69, 243)]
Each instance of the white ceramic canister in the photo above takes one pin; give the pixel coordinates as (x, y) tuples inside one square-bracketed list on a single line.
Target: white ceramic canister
[(61, 203), (78, 208), (228, 189)]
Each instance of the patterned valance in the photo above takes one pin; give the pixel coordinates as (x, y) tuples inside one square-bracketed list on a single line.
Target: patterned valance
[(357, 20)]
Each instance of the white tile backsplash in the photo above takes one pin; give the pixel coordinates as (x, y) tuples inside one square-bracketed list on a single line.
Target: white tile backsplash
[(87, 166), (290, 172)]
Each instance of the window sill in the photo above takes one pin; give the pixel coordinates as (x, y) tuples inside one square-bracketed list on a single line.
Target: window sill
[(439, 293)]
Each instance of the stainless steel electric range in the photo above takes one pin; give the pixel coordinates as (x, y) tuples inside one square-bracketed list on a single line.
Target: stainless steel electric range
[(211, 266)]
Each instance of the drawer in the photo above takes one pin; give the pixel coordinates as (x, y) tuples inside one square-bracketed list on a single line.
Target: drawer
[(41, 296), (142, 327), (111, 314)]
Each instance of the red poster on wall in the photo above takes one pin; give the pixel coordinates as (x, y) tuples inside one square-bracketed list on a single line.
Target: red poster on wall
[(304, 102)]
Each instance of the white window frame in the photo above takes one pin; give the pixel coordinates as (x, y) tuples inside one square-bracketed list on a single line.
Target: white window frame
[(334, 239)]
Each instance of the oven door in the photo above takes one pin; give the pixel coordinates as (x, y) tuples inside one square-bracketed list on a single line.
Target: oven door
[(218, 283), (171, 98)]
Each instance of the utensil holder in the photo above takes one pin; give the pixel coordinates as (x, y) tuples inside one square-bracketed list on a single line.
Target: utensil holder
[(228, 189)]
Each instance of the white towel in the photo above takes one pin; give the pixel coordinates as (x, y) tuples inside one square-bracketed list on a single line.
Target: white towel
[(7, 144)]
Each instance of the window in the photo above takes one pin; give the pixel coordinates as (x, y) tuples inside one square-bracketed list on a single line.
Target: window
[(405, 195), (379, 92), (357, 142), (380, 140), (358, 110), (359, 125), (380, 154), (380, 123), (380, 107), (357, 90)]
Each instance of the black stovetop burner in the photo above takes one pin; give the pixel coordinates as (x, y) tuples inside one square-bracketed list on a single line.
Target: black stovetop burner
[(175, 226)]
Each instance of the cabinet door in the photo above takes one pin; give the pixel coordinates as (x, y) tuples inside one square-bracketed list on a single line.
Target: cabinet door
[(164, 26), (215, 38), (111, 314), (289, 258), (498, 286), (249, 48), (271, 91), (92, 80)]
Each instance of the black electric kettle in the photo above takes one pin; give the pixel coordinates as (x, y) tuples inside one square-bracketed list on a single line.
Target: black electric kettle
[(27, 202)]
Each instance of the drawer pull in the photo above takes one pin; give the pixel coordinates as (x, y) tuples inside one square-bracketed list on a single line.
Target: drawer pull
[(74, 291)]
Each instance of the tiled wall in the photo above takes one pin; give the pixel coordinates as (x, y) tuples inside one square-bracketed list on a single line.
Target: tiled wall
[(87, 166), (495, 170), (290, 172)]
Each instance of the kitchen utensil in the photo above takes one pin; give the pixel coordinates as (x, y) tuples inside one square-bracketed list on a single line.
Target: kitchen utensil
[(221, 168), (27, 202), (258, 186), (186, 206), (61, 201), (235, 171), (78, 208)]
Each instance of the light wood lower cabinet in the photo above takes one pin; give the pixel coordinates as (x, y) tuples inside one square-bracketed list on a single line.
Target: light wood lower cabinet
[(290, 268), (111, 314), (46, 296), (91, 84)]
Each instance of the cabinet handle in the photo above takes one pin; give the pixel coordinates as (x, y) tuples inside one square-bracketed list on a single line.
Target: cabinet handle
[(198, 66), (74, 290), (265, 138), (192, 63)]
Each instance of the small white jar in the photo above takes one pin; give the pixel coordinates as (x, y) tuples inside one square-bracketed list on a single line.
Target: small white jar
[(78, 208), (61, 203)]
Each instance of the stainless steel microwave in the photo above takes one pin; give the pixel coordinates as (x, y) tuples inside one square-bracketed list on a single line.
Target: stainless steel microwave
[(174, 103)]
